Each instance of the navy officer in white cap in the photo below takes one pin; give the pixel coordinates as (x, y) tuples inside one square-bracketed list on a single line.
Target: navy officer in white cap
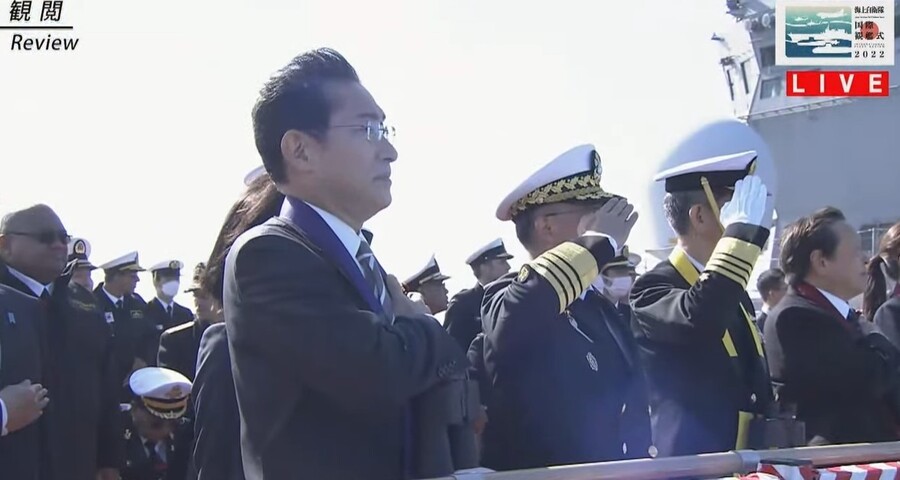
[(162, 310), (79, 259), (429, 282), (691, 314), (560, 360), (134, 336), (153, 424), (463, 317)]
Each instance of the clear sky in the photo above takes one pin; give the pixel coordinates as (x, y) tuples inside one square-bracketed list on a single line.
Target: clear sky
[(140, 138)]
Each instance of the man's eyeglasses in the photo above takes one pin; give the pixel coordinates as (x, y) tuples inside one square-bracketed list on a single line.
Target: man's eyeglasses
[(47, 237), (375, 131)]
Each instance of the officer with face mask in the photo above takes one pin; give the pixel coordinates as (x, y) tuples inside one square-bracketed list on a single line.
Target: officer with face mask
[(615, 282), (162, 311)]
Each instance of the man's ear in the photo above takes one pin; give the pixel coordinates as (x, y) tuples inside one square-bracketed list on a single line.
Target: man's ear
[(817, 261), (295, 147), (698, 215), (543, 228)]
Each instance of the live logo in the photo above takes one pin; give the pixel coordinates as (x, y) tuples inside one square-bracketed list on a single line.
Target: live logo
[(853, 83)]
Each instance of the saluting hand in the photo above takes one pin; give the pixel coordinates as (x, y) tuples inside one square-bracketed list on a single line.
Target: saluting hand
[(615, 218), (748, 203), (24, 404), (403, 305)]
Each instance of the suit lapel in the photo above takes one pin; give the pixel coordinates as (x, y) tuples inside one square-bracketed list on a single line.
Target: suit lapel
[(303, 218)]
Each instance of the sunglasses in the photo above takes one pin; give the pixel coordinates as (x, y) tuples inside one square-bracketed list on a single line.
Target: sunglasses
[(47, 237)]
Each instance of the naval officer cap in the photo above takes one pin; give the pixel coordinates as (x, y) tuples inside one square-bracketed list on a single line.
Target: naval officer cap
[(196, 281), (125, 263), (430, 273), (494, 250), (167, 267), (719, 172), (572, 176), (80, 252), (629, 261), (252, 175), (163, 392)]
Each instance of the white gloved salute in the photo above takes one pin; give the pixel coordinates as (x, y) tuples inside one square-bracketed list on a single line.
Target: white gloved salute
[(747, 205)]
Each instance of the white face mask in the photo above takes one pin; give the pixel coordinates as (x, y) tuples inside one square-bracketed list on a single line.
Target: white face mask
[(618, 287), (170, 288)]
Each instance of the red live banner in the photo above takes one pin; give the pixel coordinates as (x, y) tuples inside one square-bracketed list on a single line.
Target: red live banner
[(853, 83)]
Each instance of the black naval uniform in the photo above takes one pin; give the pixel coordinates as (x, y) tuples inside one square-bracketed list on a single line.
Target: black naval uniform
[(162, 320), (704, 360), (77, 371), (560, 362), (133, 335), (143, 460), (20, 359), (463, 317), (178, 347)]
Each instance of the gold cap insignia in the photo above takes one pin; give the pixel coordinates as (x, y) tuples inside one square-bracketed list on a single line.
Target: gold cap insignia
[(175, 392), (80, 247), (175, 265)]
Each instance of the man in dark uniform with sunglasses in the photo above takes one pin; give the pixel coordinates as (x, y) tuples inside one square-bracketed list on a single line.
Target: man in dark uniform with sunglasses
[(75, 346)]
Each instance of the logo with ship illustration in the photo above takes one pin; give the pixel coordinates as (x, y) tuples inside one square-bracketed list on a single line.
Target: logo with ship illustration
[(829, 33)]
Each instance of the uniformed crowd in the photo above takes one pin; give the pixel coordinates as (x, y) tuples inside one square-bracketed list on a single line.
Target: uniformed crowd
[(304, 358)]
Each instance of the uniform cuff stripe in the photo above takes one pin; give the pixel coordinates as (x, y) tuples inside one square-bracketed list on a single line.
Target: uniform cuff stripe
[(581, 260), (559, 276), (739, 249), (737, 261), (566, 268), (727, 273), (736, 267), (551, 278)]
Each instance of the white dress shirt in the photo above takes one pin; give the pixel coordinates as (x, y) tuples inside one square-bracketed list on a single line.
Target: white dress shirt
[(114, 299), (349, 237), (841, 305), (32, 284)]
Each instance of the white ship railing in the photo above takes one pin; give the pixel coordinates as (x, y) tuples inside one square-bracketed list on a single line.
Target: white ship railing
[(715, 465)]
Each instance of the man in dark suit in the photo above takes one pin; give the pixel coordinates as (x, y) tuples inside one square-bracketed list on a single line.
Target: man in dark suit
[(836, 369), (772, 288), (560, 358), (327, 352), (217, 426), (162, 311), (22, 397), (76, 348), (691, 314), (463, 317)]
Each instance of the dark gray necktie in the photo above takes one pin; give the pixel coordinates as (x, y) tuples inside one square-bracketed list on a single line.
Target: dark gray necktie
[(372, 273)]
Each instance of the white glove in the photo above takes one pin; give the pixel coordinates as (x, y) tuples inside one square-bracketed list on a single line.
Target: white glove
[(747, 205)]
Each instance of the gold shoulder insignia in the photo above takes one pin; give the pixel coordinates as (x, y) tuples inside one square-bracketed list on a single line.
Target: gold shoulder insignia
[(523, 274)]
